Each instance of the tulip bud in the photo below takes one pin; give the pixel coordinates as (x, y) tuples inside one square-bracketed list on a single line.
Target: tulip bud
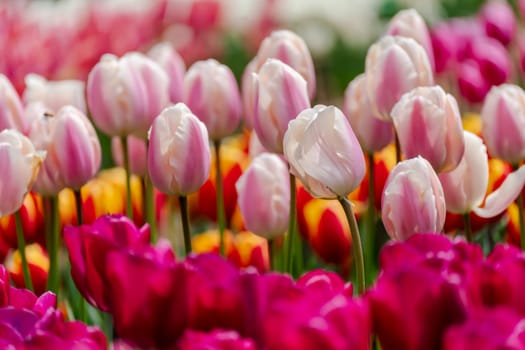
[(179, 153), (20, 163), (503, 118), (280, 95), (73, 150), (373, 134), (137, 150), (211, 92), (394, 66), (173, 64), (38, 263), (54, 94), (125, 95), (499, 21), (413, 200), (264, 196), (11, 109), (324, 153), (432, 115), (291, 49)]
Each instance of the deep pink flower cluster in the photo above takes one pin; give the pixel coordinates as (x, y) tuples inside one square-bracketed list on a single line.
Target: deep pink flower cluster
[(28, 322)]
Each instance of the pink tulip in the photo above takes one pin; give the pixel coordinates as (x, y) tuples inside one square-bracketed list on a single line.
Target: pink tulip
[(20, 165), (125, 95), (291, 49), (248, 93), (410, 24), (11, 109), (499, 21), (413, 200), (166, 56), (394, 66), (264, 195), (280, 95), (373, 134), (137, 151), (473, 86), (73, 150), (323, 152), (216, 339), (255, 147), (493, 59), (179, 153), (55, 94), (428, 124), (212, 94), (503, 123)]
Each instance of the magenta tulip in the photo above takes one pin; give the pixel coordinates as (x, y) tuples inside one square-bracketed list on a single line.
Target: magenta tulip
[(499, 21), (473, 85), (217, 339), (166, 56), (492, 58), (11, 110)]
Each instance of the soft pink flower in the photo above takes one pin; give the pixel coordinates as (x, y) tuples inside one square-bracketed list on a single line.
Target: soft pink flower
[(11, 110), (248, 93), (166, 56)]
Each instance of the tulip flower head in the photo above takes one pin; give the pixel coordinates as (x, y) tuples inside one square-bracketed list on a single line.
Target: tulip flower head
[(166, 56), (323, 152), (11, 109)]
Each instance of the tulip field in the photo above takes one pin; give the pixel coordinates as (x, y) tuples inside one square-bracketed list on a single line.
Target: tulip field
[(262, 175)]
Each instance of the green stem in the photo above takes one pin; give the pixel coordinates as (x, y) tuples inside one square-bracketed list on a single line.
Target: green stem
[(356, 244), (22, 249), (220, 196), (290, 247), (398, 148), (149, 201), (467, 227), (82, 315), (521, 220), (125, 153), (78, 204), (185, 218), (369, 237), (53, 280), (271, 254)]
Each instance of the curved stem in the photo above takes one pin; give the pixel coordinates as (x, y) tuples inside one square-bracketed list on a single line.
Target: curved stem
[(22, 249), (290, 239), (467, 227), (220, 197), (149, 206), (125, 153), (357, 249), (78, 204), (53, 280), (82, 316), (398, 148), (183, 203), (369, 234)]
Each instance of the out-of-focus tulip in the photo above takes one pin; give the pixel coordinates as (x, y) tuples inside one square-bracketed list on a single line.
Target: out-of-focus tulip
[(255, 147), (54, 94), (410, 24), (248, 249), (208, 242), (323, 152), (32, 215), (499, 21), (125, 95), (373, 133), (280, 95), (395, 65), (212, 94), (89, 247), (413, 200), (493, 60), (166, 56), (20, 163), (217, 339), (432, 115), (503, 118), (11, 110), (38, 263), (137, 151), (264, 196), (73, 150), (291, 49), (248, 93), (178, 153), (473, 86)]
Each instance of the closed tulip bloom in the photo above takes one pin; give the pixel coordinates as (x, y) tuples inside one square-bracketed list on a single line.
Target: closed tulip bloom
[(264, 196), (166, 56), (428, 124), (179, 153), (413, 200), (503, 123), (211, 92), (394, 66), (323, 152), (11, 109), (373, 133), (280, 95), (291, 49), (73, 150), (20, 163), (138, 154), (125, 95)]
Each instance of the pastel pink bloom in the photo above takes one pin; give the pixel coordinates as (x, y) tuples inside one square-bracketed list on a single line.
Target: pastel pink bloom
[(248, 93), (264, 196), (11, 109), (166, 56), (394, 66), (179, 152), (20, 164), (54, 94), (72, 147), (409, 23), (255, 147), (212, 94), (428, 124), (503, 123), (373, 133), (499, 21), (291, 49), (323, 152), (137, 151), (413, 200), (125, 94), (280, 95)]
